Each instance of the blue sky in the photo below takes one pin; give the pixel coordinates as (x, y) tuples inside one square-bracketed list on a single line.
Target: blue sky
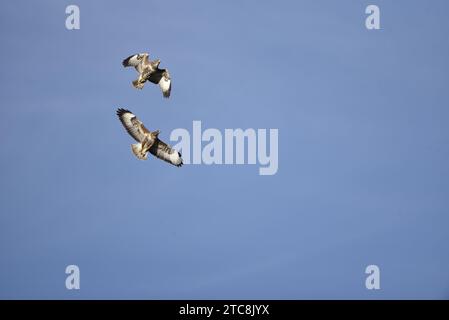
[(363, 151)]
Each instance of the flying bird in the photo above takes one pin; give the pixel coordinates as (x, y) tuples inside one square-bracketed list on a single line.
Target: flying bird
[(147, 141), (149, 71), (143, 65)]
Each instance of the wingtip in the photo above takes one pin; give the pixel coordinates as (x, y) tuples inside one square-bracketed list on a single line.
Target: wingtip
[(125, 62), (121, 111), (180, 157)]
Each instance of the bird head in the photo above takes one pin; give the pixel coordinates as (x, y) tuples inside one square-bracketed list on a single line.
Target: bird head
[(140, 56), (156, 133), (156, 62)]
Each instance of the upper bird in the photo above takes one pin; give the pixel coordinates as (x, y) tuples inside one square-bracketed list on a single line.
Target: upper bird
[(149, 70), (147, 141)]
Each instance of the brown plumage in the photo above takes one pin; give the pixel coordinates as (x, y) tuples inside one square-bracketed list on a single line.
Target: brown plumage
[(147, 141)]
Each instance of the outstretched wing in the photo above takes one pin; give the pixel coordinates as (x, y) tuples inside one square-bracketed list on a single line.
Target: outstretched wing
[(163, 151), (133, 126), (157, 77), (131, 61)]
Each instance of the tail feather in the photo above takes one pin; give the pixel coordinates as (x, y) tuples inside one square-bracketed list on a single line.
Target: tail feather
[(138, 152)]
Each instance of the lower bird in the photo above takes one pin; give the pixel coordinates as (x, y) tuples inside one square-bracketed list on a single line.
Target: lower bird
[(147, 141)]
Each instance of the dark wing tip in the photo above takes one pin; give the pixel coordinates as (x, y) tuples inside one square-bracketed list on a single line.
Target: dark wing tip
[(126, 61), (121, 111), (180, 165)]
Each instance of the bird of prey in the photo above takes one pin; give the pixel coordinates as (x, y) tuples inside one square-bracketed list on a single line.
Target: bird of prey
[(143, 65), (147, 141), (149, 71)]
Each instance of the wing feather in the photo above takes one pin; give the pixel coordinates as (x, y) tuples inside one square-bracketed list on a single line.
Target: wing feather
[(165, 86), (131, 61), (155, 76), (132, 124), (164, 152), (158, 78)]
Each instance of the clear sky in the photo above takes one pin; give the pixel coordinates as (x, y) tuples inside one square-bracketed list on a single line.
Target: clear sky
[(363, 150)]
